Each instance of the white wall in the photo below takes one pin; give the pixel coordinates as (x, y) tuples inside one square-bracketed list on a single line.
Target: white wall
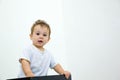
[(87, 31), (16, 19), (93, 38)]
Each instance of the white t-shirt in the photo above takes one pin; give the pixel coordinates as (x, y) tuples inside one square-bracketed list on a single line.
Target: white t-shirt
[(39, 61)]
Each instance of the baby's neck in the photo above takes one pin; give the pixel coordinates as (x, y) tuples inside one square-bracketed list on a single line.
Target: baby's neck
[(40, 48)]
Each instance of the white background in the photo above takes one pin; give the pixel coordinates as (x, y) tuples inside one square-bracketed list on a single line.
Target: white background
[(85, 35)]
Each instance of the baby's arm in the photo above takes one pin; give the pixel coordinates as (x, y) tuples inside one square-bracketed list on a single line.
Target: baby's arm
[(26, 68), (58, 68)]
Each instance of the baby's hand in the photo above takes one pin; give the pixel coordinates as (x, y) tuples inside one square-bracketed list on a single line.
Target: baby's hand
[(67, 74)]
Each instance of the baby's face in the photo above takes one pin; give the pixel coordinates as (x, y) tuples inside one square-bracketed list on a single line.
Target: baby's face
[(40, 36)]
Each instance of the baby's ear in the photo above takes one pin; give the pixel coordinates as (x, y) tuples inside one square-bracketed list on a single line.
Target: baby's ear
[(30, 36)]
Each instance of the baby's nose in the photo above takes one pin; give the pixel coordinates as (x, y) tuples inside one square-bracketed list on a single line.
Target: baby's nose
[(40, 36)]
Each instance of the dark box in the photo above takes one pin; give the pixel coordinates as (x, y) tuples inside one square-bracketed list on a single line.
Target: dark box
[(50, 77)]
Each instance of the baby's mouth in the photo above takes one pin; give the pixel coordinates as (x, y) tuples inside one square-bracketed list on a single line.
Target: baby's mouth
[(40, 41)]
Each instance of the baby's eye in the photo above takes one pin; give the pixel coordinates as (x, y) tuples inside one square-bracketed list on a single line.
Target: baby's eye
[(37, 33), (44, 34)]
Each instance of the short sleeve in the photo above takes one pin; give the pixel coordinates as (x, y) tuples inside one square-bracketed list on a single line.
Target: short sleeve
[(53, 63), (25, 55)]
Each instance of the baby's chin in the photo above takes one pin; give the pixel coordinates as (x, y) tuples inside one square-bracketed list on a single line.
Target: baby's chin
[(38, 45)]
